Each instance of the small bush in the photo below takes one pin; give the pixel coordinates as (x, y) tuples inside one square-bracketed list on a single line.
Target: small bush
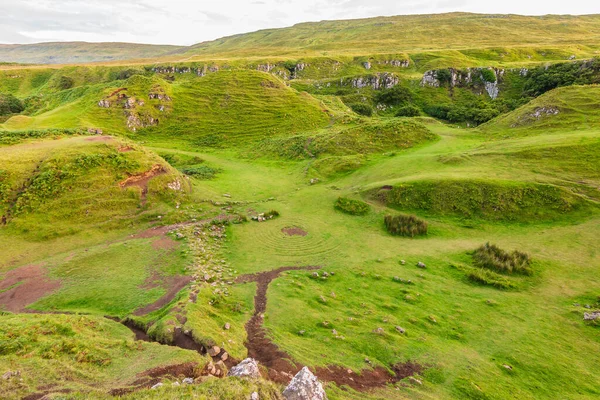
[(271, 214), (444, 76), (492, 257), (350, 206), (9, 104), (488, 75), (394, 96), (201, 172), (362, 109), (64, 83), (408, 111), (405, 225)]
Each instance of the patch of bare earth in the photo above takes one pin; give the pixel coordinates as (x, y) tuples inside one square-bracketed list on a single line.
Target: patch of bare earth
[(294, 231), (25, 285), (141, 180), (104, 138), (173, 285), (282, 367), (152, 376)]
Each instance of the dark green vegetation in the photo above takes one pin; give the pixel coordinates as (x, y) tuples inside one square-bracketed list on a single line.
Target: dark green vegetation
[(351, 206), (469, 131), (405, 225), (492, 257)]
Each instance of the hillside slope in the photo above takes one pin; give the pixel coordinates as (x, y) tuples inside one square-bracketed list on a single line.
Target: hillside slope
[(411, 33)]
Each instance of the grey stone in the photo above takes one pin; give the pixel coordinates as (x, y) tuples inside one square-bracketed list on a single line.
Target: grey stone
[(159, 384), (304, 386), (248, 368)]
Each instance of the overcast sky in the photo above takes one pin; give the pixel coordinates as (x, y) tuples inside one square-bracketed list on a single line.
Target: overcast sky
[(187, 22)]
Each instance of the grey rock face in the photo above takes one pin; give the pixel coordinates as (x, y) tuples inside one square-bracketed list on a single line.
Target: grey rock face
[(248, 368), (592, 316), (304, 386)]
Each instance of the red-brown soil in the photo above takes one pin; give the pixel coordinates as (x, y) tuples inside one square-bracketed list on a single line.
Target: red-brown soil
[(152, 376), (25, 285), (294, 231), (164, 243), (141, 180), (104, 138)]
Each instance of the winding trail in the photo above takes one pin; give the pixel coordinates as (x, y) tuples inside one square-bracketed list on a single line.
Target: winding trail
[(280, 365)]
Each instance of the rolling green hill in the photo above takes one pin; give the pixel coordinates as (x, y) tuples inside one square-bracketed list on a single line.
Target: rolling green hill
[(240, 199)]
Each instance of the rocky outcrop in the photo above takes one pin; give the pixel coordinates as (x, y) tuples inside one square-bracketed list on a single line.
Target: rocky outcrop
[(248, 368), (396, 63), (592, 316), (476, 78), (377, 81), (304, 386)]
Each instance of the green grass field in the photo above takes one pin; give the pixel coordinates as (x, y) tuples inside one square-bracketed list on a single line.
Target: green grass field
[(211, 155)]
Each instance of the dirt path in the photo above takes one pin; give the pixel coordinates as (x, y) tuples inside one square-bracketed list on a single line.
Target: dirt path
[(174, 284), (282, 367)]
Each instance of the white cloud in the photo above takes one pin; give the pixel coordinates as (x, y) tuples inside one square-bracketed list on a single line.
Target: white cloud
[(192, 21)]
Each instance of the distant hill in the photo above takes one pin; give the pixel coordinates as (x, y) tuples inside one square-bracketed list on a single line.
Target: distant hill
[(411, 33), (81, 52)]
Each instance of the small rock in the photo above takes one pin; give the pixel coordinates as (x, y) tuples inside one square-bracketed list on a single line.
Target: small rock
[(176, 383), (226, 195), (214, 350), (254, 396), (314, 181), (421, 265), (224, 356), (301, 333), (315, 274), (592, 316), (402, 262), (227, 326), (507, 367), (334, 332), (248, 368), (304, 386), (325, 274), (400, 329), (415, 381), (188, 381), (587, 306), (379, 331), (159, 384)]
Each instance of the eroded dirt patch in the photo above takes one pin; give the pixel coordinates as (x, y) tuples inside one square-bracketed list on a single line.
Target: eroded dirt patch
[(174, 284), (25, 285), (294, 231), (164, 243), (282, 367), (152, 376), (141, 180), (103, 138)]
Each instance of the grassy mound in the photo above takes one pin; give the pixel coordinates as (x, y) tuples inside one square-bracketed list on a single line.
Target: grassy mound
[(362, 137), (92, 351), (351, 206), (232, 107), (405, 225), (57, 187), (566, 108), (496, 201)]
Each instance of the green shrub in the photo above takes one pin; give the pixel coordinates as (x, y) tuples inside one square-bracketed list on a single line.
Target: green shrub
[(362, 109), (488, 75), (352, 207), (444, 76), (492, 257), (272, 214), (9, 104), (408, 111), (394, 96), (64, 83), (405, 225), (201, 172)]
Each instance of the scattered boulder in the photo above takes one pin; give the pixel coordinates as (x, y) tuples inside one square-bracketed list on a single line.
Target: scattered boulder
[(158, 385), (415, 381), (248, 368), (213, 351), (400, 329), (304, 386), (224, 356), (9, 374), (592, 316), (421, 265), (254, 396), (227, 326), (379, 331), (188, 381)]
